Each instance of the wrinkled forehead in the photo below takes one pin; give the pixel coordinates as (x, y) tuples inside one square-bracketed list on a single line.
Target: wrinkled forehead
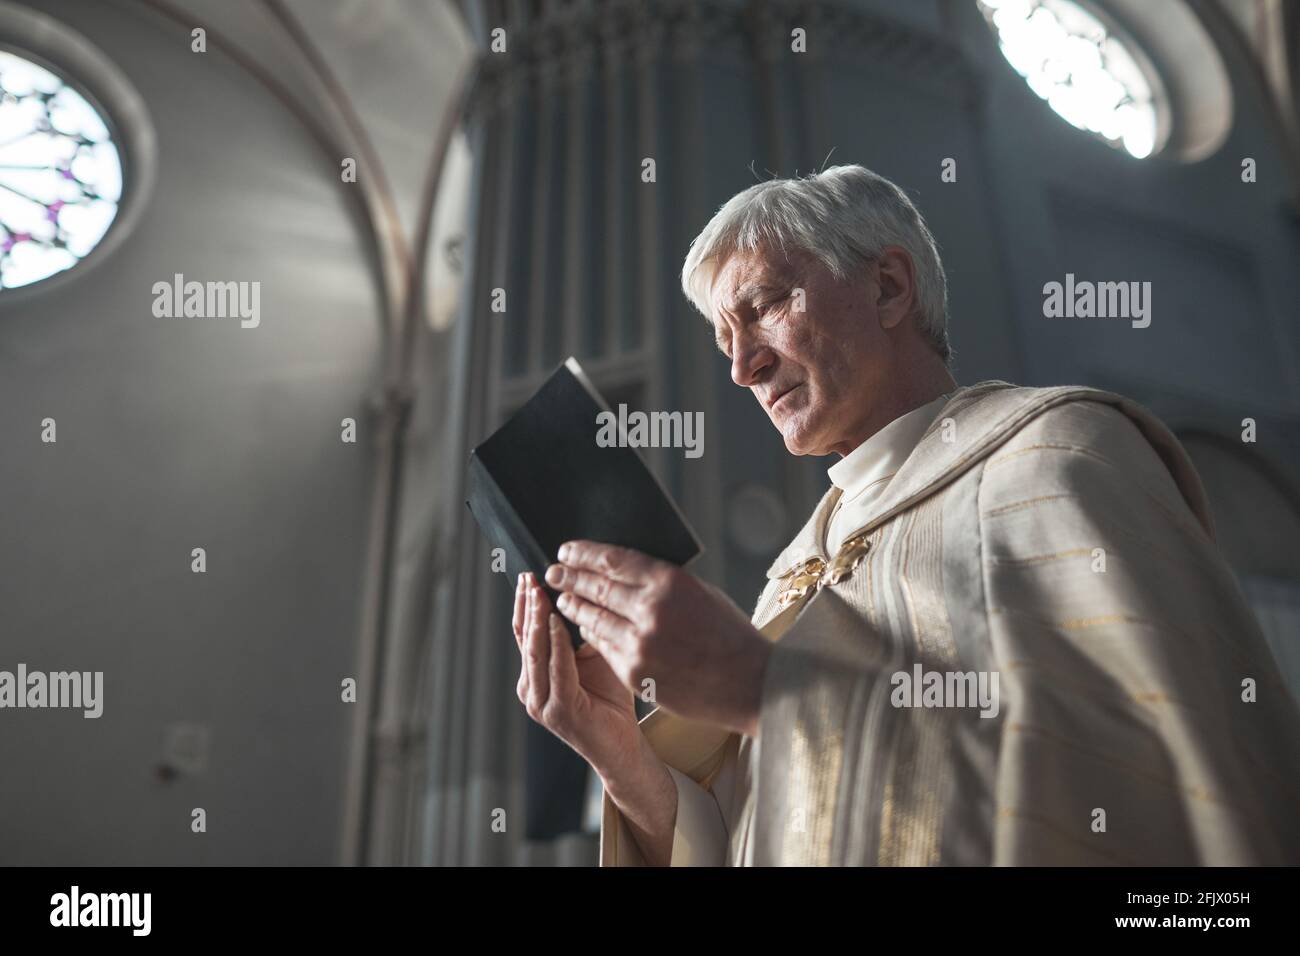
[(745, 277)]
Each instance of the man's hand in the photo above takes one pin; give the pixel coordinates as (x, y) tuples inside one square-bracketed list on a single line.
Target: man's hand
[(574, 695), (650, 620)]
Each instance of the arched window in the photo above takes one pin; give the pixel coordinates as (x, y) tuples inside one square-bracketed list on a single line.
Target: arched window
[(1094, 78), (60, 173)]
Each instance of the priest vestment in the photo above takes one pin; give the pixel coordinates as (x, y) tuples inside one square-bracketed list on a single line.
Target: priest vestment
[(1056, 545)]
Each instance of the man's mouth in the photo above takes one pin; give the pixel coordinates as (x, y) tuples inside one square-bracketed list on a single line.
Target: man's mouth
[(781, 397)]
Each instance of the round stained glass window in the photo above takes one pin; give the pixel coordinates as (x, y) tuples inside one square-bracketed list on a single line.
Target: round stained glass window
[(1092, 78), (60, 173)]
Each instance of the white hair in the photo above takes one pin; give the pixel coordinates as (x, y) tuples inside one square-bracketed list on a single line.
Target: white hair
[(844, 216)]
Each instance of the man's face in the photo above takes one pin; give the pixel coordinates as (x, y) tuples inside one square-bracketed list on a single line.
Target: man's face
[(818, 373)]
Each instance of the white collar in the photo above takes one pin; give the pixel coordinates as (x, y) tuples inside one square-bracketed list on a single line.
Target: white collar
[(880, 456)]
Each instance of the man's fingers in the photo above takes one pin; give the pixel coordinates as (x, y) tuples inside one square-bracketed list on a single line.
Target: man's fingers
[(564, 670), (521, 685), (603, 628), (619, 564), (521, 610), (606, 592), (523, 606), (538, 652)]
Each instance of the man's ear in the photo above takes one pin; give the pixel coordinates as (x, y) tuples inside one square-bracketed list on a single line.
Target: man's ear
[(896, 284)]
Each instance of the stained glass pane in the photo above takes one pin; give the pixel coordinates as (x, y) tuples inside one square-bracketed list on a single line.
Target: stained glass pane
[(60, 174)]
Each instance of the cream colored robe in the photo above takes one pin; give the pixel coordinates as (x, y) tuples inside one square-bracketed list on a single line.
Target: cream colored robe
[(1057, 536)]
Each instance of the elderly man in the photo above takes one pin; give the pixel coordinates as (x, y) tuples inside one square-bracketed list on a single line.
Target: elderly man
[(1005, 635)]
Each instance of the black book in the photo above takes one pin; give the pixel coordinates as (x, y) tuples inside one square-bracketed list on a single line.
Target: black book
[(542, 479)]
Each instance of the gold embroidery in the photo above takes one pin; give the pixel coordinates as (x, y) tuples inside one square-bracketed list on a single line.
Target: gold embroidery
[(1197, 793), (816, 759), (1061, 833), (1178, 515), (1077, 623), (916, 792), (1103, 690), (1040, 558), (1045, 446), (1020, 505)]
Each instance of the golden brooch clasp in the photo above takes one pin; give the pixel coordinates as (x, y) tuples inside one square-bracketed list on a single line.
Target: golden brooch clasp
[(810, 575)]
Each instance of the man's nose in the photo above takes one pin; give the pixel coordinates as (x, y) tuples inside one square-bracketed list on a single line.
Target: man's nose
[(748, 361)]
